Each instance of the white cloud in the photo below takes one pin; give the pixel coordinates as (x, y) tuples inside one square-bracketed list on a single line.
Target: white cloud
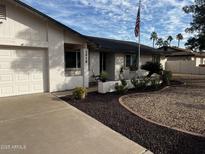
[(116, 18)]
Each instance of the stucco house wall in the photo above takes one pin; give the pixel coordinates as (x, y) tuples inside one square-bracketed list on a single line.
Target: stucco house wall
[(120, 62), (94, 64), (26, 29), (145, 58)]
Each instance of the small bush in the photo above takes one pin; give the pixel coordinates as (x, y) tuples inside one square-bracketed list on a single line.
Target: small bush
[(103, 76), (166, 77), (121, 88), (139, 84), (155, 83), (133, 68), (79, 93), (152, 67)]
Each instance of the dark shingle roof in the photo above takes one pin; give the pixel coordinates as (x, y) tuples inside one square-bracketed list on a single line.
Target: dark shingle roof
[(111, 45), (174, 52)]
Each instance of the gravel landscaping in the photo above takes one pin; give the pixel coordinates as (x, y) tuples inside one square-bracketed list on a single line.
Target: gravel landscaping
[(160, 140), (178, 107)]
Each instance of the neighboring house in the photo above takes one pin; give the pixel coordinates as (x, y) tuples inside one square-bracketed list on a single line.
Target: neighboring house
[(179, 54), (39, 54), (183, 61)]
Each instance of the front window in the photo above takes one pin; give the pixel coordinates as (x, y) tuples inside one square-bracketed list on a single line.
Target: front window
[(130, 60), (72, 60)]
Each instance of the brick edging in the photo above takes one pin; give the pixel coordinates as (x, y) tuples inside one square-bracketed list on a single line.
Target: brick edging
[(156, 123)]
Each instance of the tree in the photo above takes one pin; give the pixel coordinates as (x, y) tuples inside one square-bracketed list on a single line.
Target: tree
[(160, 42), (179, 37), (197, 25), (154, 38), (166, 43), (170, 39)]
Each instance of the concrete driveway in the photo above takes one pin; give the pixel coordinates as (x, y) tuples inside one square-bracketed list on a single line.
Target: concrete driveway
[(43, 124)]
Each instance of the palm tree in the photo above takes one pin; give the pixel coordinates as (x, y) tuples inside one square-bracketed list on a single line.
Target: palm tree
[(170, 39), (154, 37), (179, 37), (166, 43), (160, 42)]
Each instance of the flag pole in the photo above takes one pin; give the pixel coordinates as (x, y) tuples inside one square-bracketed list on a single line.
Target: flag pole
[(139, 39)]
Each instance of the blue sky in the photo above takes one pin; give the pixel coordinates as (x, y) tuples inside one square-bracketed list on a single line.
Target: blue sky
[(116, 18)]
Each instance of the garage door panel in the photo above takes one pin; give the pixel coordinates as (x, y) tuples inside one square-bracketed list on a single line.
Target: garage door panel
[(28, 54), (5, 78), (21, 71), (5, 65), (6, 53), (23, 89), (36, 88), (7, 91), (36, 77), (21, 77)]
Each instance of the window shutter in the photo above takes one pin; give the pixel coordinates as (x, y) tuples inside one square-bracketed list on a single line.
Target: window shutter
[(2, 11)]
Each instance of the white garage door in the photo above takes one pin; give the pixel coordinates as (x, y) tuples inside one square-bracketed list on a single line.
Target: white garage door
[(21, 71)]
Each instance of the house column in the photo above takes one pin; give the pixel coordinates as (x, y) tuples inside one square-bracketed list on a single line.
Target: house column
[(85, 70)]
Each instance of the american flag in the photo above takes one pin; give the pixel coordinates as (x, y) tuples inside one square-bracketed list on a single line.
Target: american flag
[(137, 27)]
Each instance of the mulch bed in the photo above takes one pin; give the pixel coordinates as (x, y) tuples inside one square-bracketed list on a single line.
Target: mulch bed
[(160, 140)]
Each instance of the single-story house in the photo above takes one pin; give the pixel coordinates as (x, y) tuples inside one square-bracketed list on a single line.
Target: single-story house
[(39, 54), (111, 55), (180, 54), (183, 61)]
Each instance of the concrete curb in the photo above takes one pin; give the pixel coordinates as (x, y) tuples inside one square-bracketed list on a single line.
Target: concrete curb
[(156, 123)]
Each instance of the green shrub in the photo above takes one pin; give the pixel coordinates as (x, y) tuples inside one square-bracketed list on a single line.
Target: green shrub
[(140, 84), (79, 93), (103, 76), (152, 67), (133, 68), (121, 88), (166, 77), (155, 83)]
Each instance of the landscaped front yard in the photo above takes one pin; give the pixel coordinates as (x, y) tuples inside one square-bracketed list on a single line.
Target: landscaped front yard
[(176, 107), (160, 140)]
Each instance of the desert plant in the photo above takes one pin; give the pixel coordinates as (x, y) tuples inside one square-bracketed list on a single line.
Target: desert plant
[(140, 84), (152, 67), (166, 77), (103, 76), (133, 68), (122, 87), (155, 83), (79, 93)]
